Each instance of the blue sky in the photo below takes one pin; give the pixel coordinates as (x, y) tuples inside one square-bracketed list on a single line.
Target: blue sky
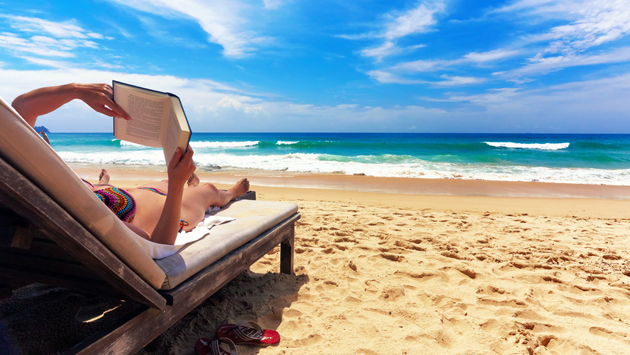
[(539, 66)]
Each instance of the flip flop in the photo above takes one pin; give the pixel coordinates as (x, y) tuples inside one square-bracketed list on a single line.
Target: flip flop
[(248, 333), (205, 346)]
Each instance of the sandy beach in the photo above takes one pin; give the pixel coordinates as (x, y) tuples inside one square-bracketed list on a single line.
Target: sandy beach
[(402, 266)]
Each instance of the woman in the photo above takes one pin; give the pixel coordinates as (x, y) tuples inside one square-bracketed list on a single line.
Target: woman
[(156, 211)]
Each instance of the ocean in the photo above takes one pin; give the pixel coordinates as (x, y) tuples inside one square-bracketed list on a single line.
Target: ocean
[(557, 158)]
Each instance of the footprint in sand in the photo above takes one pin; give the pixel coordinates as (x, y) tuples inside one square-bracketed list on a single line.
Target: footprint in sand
[(392, 257)]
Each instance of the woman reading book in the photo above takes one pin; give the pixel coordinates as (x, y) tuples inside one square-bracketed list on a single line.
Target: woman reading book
[(156, 211)]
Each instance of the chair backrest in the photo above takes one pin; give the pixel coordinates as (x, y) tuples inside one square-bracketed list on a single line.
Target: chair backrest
[(26, 151)]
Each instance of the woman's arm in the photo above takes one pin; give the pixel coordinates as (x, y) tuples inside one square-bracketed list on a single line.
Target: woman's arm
[(179, 170), (45, 100)]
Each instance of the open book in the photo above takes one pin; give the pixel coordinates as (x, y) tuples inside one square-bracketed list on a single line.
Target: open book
[(157, 119)]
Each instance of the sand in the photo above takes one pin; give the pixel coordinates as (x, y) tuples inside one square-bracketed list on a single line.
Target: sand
[(419, 273)]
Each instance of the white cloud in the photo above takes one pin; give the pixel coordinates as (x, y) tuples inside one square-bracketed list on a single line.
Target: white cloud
[(489, 56), (420, 19), (47, 62), (224, 21), (584, 25), (421, 65), (386, 77), (210, 106), (394, 74), (45, 38), (458, 80), (417, 20), (33, 46), (384, 50), (543, 65), (216, 107), (588, 24), (37, 25), (272, 4)]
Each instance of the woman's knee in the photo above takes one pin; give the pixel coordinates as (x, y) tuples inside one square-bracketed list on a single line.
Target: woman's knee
[(210, 188)]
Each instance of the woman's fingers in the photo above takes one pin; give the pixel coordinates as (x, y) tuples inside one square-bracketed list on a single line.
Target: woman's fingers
[(175, 159), (188, 162), (181, 165), (100, 97)]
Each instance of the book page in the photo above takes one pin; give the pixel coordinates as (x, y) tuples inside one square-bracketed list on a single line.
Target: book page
[(177, 130), (148, 113), (171, 139)]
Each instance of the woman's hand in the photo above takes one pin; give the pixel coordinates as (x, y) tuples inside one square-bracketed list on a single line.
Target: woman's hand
[(181, 166), (45, 100), (100, 97)]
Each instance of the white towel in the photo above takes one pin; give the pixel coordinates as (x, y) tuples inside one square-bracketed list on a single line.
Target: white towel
[(161, 251)]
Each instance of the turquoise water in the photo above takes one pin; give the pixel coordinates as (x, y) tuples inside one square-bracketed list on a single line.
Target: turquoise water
[(590, 159)]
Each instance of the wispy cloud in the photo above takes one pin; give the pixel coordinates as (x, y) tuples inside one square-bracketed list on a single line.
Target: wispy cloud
[(571, 100), (211, 105), (46, 38), (397, 25), (543, 65), (273, 4), (47, 62), (225, 22), (490, 56), (458, 80), (386, 77), (400, 73), (37, 25), (590, 23), (579, 27), (587, 25)]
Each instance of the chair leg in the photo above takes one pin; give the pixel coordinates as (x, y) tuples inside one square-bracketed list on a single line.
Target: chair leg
[(286, 254)]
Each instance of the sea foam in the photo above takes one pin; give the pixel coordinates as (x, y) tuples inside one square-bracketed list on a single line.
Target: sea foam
[(541, 146), (206, 144), (409, 167)]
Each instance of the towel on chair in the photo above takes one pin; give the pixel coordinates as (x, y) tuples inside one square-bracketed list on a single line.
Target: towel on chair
[(160, 251)]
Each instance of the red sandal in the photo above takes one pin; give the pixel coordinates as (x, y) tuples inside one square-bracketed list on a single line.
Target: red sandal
[(205, 346), (248, 333)]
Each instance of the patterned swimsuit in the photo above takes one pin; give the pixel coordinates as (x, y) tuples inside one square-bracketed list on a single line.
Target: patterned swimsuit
[(118, 201), (123, 204)]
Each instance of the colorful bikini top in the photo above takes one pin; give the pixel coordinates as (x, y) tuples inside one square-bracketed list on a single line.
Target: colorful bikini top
[(118, 201)]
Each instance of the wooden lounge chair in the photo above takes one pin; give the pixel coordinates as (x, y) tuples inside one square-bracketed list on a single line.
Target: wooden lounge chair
[(53, 232)]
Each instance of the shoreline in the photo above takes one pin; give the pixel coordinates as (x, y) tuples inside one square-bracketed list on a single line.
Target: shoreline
[(361, 183), (461, 196)]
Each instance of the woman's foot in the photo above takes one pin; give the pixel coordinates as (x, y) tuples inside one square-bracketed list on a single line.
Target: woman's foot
[(239, 189), (193, 180), (103, 178)]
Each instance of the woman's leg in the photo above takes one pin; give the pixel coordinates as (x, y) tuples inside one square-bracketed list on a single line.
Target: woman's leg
[(103, 178), (196, 200)]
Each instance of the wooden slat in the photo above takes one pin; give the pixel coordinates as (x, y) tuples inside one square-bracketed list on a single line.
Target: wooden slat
[(34, 205), (139, 331)]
